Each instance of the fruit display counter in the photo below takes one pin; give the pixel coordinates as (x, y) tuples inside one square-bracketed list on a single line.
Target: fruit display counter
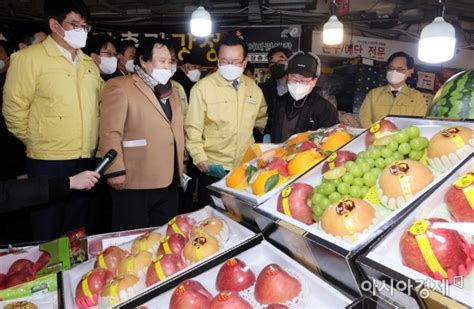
[(341, 206), (429, 256), (122, 273), (261, 277), (257, 180)]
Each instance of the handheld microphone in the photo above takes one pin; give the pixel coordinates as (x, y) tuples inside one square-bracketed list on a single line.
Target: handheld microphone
[(106, 160)]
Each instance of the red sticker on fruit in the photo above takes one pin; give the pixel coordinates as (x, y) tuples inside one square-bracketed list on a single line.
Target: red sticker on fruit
[(345, 207), (399, 168), (453, 133), (272, 271)]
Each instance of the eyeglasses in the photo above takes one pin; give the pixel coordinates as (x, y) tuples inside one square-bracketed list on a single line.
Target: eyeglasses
[(399, 70), (78, 27), (230, 62)]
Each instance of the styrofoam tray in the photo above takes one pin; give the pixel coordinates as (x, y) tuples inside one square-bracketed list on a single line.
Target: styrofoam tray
[(252, 198), (237, 235), (316, 293), (387, 252), (427, 129)]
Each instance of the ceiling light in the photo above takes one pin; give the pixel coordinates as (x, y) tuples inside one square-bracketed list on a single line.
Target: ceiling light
[(201, 23), (333, 30), (437, 40)]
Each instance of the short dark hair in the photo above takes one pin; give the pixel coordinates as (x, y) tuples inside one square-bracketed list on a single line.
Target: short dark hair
[(409, 59), (250, 67), (59, 9), (279, 49), (145, 49), (122, 46), (233, 40), (26, 34), (7, 47), (95, 43)]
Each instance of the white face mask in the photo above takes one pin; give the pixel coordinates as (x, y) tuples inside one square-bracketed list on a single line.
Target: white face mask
[(194, 75), (298, 90), (2, 65), (173, 69), (230, 71), (130, 66), (75, 39), (108, 65), (162, 76), (395, 77)]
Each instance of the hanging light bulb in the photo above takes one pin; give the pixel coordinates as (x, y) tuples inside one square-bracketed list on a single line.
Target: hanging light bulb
[(201, 23), (333, 30), (437, 40)]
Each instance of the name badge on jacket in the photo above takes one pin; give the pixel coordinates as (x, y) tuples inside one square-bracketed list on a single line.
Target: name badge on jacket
[(252, 100)]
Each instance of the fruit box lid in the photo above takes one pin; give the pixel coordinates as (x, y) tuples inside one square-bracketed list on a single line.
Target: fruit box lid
[(386, 217), (255, 200), (238, 234), (316, 293), (385, 255)]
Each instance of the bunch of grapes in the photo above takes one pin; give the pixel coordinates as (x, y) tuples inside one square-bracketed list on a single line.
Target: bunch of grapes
[(355, 178)]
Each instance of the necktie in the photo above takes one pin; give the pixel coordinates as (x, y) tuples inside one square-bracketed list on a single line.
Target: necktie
[(394, 93), (235, 84)]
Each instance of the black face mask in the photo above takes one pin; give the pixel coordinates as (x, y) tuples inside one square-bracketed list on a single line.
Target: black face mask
[(277, 70)]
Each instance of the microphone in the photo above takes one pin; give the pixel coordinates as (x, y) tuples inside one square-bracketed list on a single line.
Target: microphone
[(106, 160)]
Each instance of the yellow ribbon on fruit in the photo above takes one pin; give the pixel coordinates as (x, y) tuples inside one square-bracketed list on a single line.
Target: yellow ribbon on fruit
[(349, 224), (159, 271), (142, 245), (331, 160), (458, 140), (175, 227), (113, 299), (199, 252), (405, 185), (130, 265), (418, 229), (166, 247), (101, 261), (464, 182), (372, 196), (284, 201), (85, 286)]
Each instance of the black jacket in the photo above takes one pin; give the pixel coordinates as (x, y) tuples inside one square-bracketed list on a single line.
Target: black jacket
[(316, 113), (269, 89), (17, 194), (184, 80)]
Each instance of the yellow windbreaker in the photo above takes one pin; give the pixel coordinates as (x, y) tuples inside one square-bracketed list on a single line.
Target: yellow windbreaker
[(220, 120), (52, 106)]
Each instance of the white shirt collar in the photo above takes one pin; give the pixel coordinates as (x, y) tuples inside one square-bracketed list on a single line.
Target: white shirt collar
[(397, 89), (67, 54)]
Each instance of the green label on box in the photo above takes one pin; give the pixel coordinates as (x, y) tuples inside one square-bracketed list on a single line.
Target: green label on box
[(44, 284)]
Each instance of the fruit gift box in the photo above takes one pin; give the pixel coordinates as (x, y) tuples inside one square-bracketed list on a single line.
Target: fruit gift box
[(48, 300), (33, 270), (260, 277), (121, 273), (360, 191), (429, 256), (255, 181)]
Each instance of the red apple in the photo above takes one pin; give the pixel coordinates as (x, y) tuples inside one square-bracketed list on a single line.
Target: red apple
[(110, 259), (280, 165), (22, 265), (90, 286), (338, 159), (379, 129), (306, 145), (3, 279), (448, 246), (277, 306), (294, 201), (42, 261), (457, 201), (173, 244), (234, 275), (190, 294), (163, 267), (274, 285), (181, 224), (229, 300)]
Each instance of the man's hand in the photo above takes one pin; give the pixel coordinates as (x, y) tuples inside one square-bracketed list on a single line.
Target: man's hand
[(202, 166), (84, 181), (117, 183)]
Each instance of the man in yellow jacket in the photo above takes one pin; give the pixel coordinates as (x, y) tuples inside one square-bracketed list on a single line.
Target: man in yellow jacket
[(396, 98), (51, 103), (224, 107)]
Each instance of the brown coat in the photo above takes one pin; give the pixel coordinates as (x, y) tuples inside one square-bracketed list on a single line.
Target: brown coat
[(133, 122)]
